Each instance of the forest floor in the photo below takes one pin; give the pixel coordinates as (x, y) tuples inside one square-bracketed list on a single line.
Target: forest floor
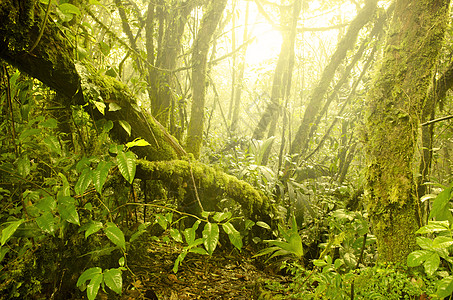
[(224, 275)]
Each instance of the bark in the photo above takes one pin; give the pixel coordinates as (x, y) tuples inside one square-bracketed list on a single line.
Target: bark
[(300, 142), (200, 50), (215, 185), (394, 104), (171, 22)]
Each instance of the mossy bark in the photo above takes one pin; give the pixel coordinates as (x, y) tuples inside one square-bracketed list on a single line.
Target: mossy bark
[(208, 25), (216, 185), (301, 139), (395, 102)]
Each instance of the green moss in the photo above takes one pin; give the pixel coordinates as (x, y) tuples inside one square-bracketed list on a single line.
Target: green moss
[(214, 184)]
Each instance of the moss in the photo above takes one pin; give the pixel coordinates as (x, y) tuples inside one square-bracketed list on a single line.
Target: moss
[(214, 184), (394, 105)]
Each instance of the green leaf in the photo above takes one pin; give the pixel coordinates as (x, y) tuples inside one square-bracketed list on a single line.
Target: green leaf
[(190, 233), (442, 242), (53, 144), (126, 126), (23, 166), (88, 275), (210, 236), (68, 8), (93, 286), (445, 287), (263, 225), (432, 263), (198, 250), (65, 190), (100, 106), (115, 235), (179, 260), (416, 258), (425, 243), (93, 227), (46, 204), (220, 216), (83, 182), (100, 175), (126, 165), (233, 235), (68, 213), (138, 143), (49, 123), (46, 222), (29, 132), (440, 209), (9, 231), (176, 235), (3, 252), (431, 228), (113, 280)]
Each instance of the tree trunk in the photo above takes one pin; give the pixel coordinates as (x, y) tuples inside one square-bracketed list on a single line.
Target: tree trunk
[(300, 142), (394, 104), (208, 25)]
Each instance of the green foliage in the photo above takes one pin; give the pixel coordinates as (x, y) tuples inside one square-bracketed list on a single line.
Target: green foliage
[(209, 238), (436, 244), (289, 244)]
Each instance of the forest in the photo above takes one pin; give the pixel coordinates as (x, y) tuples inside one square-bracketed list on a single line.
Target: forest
[(226, 149)]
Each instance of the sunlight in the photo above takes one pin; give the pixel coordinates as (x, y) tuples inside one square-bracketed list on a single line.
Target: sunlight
[(266, 45)]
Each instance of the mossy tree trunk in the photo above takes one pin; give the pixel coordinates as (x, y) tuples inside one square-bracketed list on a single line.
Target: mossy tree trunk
[(301, 139), (208, 25), (394, 105)]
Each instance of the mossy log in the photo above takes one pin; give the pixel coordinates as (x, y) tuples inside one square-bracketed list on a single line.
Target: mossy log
[(181, 175)]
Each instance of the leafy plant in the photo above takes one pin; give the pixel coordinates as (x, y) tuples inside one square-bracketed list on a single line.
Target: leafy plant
[(210, 236), (289, 244), (436, 245)]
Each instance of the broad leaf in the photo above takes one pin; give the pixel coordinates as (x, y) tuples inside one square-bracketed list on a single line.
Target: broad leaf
[(210, 236), (425, 243), (416, 258), (47, 204), (9, 231), (190, 233), (115, 235), (179, 260), (440, 209), (84, 181), (99, 175), (431, 228), (113, 280), (67, 210), (432, 263), (233, 235), (46, 222), (127, 165), (445, 287), (94, 227), (442, 242), (53, 144), (263, 225), (88, 275), (138, 143), (68, 8), (126, 126), (220, 216), (176, 235), (93, 286)]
